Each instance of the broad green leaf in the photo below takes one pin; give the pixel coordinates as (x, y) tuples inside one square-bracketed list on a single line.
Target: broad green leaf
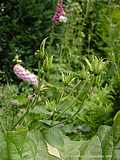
[(15, 142), (22, 145), (116, 152), (55, 137), (116, 128), (71, 149), (68, 128), (22, 99), (35, 147), (105, 135), (54, 145), (93, 150), (116, 136), (3, 147)]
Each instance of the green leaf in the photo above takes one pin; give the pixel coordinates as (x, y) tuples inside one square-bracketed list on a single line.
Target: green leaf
[(116, 135), (48, 122), (54, 137), (93, 150), (116, 128), (40, 110), (15, 142), (23, 145), (117, 118), (22, 99), (105, 135), (71, 149), (35, 147), (3, 147), (54, 145)]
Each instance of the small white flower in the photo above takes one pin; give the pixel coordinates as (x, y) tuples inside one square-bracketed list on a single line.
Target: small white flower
[(2, 9), (63, 19)]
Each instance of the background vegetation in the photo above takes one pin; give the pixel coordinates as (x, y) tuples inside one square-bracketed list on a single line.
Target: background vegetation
[(76, 107)]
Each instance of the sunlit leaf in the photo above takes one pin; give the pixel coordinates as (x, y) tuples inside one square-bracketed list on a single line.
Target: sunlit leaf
[(53, 151)]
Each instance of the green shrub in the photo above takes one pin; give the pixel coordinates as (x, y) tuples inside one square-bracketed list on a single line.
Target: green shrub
[(24, 24)]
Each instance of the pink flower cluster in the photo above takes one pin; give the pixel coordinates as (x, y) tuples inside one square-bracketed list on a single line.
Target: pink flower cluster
[(59, 13), (25, 75)]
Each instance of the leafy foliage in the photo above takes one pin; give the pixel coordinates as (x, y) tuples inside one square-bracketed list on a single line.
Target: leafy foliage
[(22, 144), (23, 27)]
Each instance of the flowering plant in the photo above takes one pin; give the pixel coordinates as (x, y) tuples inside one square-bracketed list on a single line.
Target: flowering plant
[(25, 75), (59, 13)]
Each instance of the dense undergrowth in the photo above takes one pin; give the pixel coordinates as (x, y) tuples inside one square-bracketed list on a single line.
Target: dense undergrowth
[(73, 113)]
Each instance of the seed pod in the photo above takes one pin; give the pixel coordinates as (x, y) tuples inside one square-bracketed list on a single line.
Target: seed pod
[(25, 75)]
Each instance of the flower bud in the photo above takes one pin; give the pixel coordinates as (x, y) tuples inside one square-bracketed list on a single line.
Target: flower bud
[(63, 19)]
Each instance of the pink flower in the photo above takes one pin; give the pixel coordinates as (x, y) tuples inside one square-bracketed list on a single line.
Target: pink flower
[(59, 12), (25, 75)]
